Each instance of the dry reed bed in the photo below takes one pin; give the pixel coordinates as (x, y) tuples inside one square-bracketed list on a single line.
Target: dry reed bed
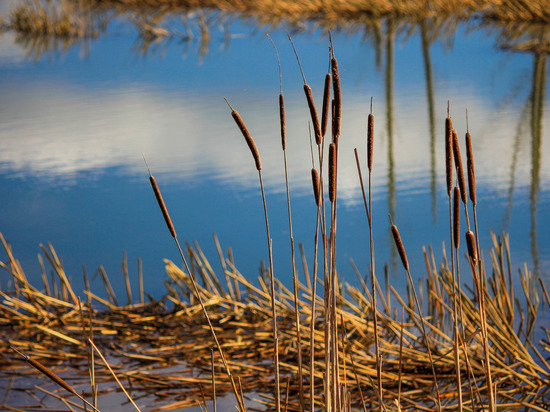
[(163, 347), (42, 27), (535, 11)]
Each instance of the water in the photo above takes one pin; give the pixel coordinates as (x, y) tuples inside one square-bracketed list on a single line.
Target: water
[(75, 122)]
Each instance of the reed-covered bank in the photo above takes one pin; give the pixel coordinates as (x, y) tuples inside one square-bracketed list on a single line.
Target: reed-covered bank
[(162, 347), (42, 26)]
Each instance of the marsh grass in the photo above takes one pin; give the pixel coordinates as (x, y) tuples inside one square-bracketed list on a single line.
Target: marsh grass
[(362, 354)]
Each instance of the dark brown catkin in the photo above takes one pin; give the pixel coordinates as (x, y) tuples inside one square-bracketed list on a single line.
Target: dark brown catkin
[(471, 170), (471, 244), (249, 140), (162, 206), (459, 168), (456, 216), (399, 246), (50, 374), (332, 172), (316, 188), (449, 154), (335, 135), (326, 105), (282, 120), (313, 113), (337, 98), (370, 140)]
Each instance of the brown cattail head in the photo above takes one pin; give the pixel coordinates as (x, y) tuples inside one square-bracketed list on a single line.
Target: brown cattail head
[(337, 96), (49, 373), (471, 243), (282, 120), (335, 135), (399, 245), (326, 105), (316, 186), (456, 216), (313, 113), (160, 201), (471, 170), (249, 140), (459, 168), (370, 140), (162, 206), (449, 154), (332, 172)]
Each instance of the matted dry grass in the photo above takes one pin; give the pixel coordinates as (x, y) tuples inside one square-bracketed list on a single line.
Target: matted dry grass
[(163, 347)]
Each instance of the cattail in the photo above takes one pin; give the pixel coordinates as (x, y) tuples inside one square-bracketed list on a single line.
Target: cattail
[(316, 187), (49, 373), (456, 216), (309, 98), (332, 172), (161, 203), (471, 243), (459, 168), (335, 135), (247, 136), (370, 140), (337, 97), (399, 245), (449, 154), (313, 113), (471, 170), (282, 120), (326, 107)]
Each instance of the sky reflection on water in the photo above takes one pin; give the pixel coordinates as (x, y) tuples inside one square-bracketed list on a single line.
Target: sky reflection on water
[(73, 129)]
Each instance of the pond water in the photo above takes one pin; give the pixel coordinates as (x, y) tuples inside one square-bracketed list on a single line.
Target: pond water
[(75, 120)]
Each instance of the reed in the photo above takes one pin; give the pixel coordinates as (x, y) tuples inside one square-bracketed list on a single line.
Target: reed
[(256, 156), (292, 251), (172, 231)]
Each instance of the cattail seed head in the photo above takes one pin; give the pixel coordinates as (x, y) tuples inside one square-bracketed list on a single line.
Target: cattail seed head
[(282, 120), (456, 216), (162, 206), (459, 168), (247, 137), (337, 96), (335, 135), (326, 105), (370, 140), (471, 244), (449, 154), (471, 170), (313, 113), (332, 172), (49, 373), (316, 186), (399, 245)]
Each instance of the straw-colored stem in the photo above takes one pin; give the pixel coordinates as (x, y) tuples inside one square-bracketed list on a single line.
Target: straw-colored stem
[(402, 253)]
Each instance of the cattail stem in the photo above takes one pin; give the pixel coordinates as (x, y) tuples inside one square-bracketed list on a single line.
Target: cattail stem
[(401, 249), (53, 376), (172, 231)]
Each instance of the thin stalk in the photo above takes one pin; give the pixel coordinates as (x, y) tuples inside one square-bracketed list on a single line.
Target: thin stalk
[(173, 233)]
